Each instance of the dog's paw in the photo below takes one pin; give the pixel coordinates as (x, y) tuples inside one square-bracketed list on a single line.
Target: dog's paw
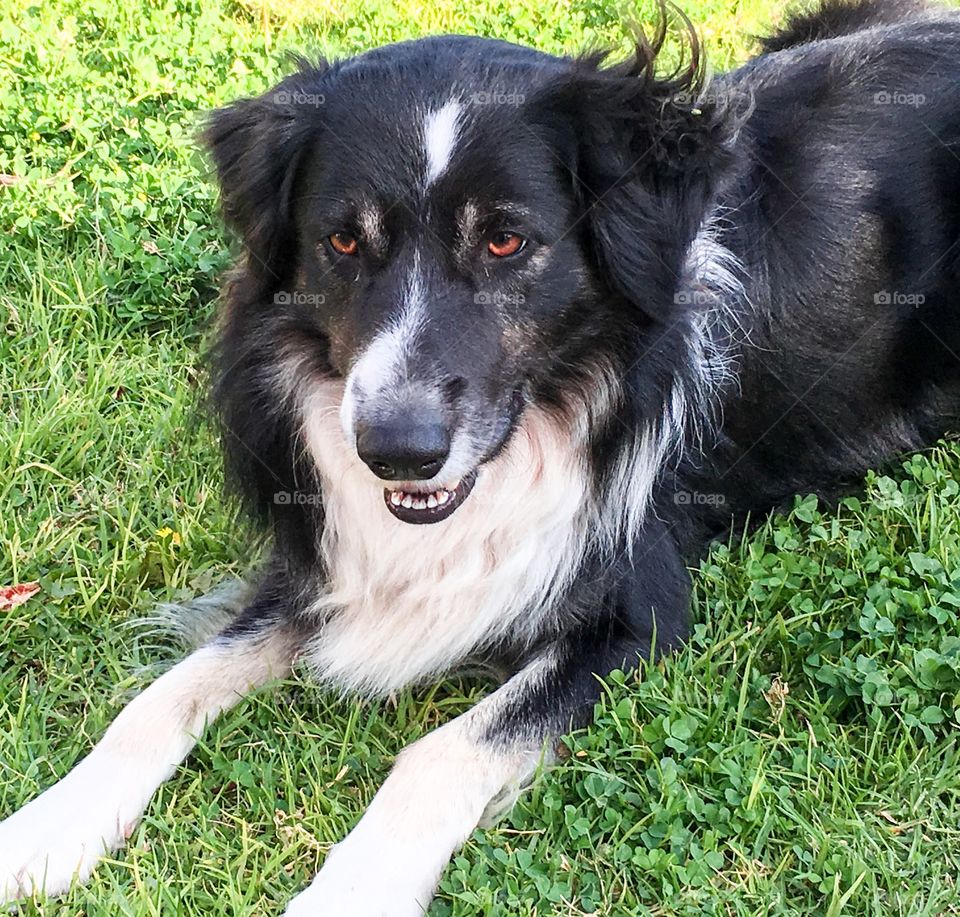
[(59, 837), (351, 883)]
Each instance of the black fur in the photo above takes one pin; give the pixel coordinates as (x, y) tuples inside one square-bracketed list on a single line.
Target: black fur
[(840, 18), (830, 167)]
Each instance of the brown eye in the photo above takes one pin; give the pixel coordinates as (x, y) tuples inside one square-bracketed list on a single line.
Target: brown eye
[(343, 243), (504, 244)]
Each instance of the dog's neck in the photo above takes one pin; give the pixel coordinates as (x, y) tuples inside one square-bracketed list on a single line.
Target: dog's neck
[(406, 602)]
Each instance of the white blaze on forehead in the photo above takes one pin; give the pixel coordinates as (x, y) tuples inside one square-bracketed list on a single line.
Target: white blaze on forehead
[(384, 362), (440, 130)]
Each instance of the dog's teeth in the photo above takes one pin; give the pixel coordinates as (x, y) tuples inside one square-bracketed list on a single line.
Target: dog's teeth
[(423, 501)]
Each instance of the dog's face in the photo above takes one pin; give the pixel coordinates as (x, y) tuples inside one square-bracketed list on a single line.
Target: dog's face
[(437, 238), (429, 211)]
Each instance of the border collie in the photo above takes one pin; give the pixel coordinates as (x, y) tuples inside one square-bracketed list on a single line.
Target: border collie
[(513, 337)]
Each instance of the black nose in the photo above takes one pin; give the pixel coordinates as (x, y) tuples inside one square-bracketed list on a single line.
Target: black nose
[(405, 450)]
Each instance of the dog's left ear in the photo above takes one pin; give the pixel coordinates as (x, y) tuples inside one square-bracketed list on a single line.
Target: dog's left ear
[(256, 145), (649, 155)]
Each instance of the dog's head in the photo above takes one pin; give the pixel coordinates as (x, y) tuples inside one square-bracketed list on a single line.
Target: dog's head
[(456, 227)]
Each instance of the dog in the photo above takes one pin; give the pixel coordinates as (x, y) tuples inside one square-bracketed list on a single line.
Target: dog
[(512, 339)]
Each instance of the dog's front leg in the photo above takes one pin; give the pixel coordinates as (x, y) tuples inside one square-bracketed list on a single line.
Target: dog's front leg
[(469, 770), (60, 836), (438, 791), (447, 783)]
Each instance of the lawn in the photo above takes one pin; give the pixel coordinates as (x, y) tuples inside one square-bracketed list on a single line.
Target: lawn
[(801, 757)]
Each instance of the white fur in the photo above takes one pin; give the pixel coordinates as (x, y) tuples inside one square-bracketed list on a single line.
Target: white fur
[(383, 364), (717, 273), (193, 623), (62, 834), (620, 510), (440, 789), (440, 131), (407, 602), (715, 332), (713, 274)]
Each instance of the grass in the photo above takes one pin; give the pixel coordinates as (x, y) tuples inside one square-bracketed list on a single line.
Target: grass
[(800, 757)]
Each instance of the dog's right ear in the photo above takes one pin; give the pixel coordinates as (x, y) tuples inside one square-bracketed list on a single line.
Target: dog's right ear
[(648, 151), (256, 145)]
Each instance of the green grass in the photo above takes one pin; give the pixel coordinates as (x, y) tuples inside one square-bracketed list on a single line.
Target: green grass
[(800, 757)]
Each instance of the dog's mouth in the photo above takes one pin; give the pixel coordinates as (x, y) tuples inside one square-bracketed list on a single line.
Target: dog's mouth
[(420, 508)]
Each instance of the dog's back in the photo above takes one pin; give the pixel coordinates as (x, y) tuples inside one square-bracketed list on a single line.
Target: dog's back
[(846, 219), (842, 17)]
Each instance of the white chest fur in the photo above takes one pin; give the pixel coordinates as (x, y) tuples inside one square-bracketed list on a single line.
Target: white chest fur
[(406, 602)]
